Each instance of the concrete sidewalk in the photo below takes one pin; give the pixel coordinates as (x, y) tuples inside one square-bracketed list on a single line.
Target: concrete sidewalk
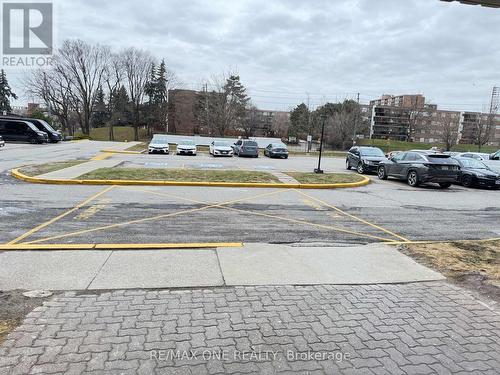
[(80, 169), (254, 264)]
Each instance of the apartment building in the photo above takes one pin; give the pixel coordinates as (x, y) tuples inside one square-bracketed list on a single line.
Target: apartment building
[(409, 118), (402, 101)]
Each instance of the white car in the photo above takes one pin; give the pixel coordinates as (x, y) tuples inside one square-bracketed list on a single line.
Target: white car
[(221, 148), (186, 147), (158, 145), (2, 142)]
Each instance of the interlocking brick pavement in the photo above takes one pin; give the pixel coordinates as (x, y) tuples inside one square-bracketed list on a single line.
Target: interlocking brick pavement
[(421, 328)]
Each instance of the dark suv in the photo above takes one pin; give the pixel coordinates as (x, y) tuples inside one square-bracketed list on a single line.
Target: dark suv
[(418, 167), (20, 130), (364, 158)]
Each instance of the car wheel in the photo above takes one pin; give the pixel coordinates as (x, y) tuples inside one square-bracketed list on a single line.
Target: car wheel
[(412, 179), (445, 185), (382, 173), (467, 180), (347, 165), (33, 141), (360, 168)]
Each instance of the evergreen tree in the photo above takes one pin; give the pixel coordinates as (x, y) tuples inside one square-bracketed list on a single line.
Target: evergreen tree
[(121, 110), (100, 114), (5, 93), (299, 121)]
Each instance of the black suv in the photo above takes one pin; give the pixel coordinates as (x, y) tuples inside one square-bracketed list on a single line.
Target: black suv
[(20, 130), (364, 158), (418, 167), (54, 135)]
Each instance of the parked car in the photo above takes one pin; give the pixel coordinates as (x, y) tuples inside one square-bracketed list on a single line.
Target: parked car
[(474, 155), (220, 148), (54, 135), (244, 147), (495, 156), (22, 131), (475, 173), (419, 167), (158, 145), (2, 142), (186, 147), (364, 158), (276, 150)]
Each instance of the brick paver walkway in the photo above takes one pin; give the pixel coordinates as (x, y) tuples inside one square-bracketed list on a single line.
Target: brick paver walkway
[(426, 328)]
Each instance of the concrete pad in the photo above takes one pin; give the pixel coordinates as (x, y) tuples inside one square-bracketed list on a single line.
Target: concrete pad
[(80, 169), (159, 269), (266, 264), (55, 270)]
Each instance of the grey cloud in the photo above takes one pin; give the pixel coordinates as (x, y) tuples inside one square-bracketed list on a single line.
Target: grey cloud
[(448, 51)]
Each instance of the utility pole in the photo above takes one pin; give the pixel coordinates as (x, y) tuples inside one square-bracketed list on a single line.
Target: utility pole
[(309, 142), (323, 118)]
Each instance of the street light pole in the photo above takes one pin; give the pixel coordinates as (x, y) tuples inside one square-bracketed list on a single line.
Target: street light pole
[(319, 170)]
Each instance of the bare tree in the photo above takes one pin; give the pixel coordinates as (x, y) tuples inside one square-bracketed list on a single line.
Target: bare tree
[(450, 132), (252, 121), (483, 129), (83, 65), (113, 79), (222, 109), (280, 125), (137, 67), (53, 88)]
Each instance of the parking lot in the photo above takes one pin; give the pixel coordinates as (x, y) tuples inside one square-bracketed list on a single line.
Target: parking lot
[(383, 211)]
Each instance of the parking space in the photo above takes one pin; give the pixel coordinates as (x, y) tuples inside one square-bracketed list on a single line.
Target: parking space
[(376, 213), (380, 212)]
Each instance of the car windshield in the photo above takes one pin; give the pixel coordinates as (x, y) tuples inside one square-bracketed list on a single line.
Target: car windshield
[(279, 145), (473, 163), (250, 143), (371, 152), (221, 144), (187, 143), (157, 141), (47, 126)]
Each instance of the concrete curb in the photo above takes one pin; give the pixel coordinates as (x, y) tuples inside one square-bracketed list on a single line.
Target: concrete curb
[(125, 246), (122, 152), (15, 173)]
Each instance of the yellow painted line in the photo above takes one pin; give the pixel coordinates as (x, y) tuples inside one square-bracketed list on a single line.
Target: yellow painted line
[(53, 220), (149, 218), (271, 216), (354, 217), (23, 246), (21, 176), (195, 245), (125, 246), (110, 151), (337, 229), (102, 156)]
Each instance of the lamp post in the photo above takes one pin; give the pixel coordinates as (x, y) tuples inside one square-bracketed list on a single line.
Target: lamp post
[(323, 118)]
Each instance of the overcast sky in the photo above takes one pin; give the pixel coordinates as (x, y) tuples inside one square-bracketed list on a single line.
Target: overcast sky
[(284, 49)]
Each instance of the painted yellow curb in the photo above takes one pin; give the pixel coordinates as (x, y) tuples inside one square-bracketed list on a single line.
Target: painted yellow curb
[(121, 152), (125, 246), (36, 180)]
